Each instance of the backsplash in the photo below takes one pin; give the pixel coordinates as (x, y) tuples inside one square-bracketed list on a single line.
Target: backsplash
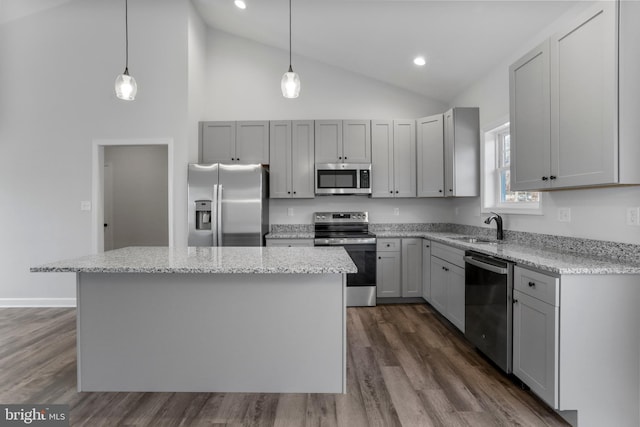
[(624, 252)]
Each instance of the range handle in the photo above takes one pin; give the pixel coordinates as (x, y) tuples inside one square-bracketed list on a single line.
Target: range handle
[(490, 267)]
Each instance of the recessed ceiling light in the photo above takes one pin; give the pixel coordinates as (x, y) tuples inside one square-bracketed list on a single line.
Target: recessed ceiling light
[(240, 4), (419, 60)]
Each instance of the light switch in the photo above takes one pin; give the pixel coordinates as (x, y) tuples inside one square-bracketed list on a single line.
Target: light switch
[(289, 211), (85, 205), (396, 211)]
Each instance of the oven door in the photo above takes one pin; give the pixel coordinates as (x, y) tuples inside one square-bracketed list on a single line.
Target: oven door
[(361, 286)]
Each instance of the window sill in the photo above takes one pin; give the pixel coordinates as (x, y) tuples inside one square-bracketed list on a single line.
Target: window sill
[(512, 211)]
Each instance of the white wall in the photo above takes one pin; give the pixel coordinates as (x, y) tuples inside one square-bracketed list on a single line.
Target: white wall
[(244, 84), (57, 71), (140, 195), (595, 213)]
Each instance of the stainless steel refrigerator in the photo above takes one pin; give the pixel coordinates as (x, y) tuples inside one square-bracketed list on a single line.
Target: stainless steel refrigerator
[(228, 205)]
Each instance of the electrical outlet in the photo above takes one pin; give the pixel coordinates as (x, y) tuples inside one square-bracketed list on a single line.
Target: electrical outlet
[(85, 205), (396, 211), (633, 216), (289, 211), (564, 214)]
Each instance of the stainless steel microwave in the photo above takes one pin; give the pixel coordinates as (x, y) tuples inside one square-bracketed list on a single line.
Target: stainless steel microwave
[(343, 178)]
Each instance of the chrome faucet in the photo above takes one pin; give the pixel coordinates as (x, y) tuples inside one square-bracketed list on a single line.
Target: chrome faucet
[(498, 219)]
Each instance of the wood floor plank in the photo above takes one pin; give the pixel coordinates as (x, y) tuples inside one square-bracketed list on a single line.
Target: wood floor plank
[(406, 366), (405, 400)]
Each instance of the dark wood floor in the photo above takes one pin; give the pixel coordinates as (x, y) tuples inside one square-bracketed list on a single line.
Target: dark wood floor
[(406, 366)]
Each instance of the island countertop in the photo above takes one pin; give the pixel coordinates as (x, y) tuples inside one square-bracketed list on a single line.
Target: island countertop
[(218, 260)]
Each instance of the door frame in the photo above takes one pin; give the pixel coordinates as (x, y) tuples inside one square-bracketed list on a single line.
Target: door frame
[(97, 184)]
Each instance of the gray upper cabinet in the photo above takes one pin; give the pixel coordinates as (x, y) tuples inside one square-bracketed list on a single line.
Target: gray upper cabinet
[(292, 159), (393, 147), (343, 141), (449, 154), (245, 142), (530, 106), (585, 75), (217, 142), (430, 141), (462, 152)]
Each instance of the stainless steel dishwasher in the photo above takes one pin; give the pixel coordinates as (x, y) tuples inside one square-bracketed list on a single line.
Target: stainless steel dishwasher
[(488, 306)]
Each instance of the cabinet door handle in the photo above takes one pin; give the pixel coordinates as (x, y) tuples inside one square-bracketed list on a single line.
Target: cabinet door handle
[(345, 157), (552, 177), (388, 245), (426, 246), (294, 192), (391, 191), (439, 191), (379, 257), (532, 284), (288, 192), (515, 301), (340, 157), (544, 178)]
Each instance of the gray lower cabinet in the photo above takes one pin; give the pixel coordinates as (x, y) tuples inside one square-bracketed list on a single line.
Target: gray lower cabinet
[(399, 268), (289, 243), (535, 332), (388, 268), (291, 172), (447, 282), (426, 270), (243, 142), (411, 268)]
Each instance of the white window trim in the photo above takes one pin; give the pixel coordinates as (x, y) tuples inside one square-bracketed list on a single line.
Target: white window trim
[(493, 205)]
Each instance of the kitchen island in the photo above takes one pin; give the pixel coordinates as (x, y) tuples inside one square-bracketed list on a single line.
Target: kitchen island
[(222, 319)]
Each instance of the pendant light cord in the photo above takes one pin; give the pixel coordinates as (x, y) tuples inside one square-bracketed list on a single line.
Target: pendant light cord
[(290, 68), (126, 36)]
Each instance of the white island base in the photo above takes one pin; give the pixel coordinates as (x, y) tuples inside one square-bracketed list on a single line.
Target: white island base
[(275, 333)]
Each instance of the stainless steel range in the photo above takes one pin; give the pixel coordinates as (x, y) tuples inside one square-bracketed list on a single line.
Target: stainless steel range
[(351, 231)]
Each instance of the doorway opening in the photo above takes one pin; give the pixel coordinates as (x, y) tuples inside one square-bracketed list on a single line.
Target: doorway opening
[(132, 193)]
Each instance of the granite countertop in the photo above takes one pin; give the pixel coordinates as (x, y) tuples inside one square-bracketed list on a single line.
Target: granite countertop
[(237, 260), (540, 258), (291, 235)]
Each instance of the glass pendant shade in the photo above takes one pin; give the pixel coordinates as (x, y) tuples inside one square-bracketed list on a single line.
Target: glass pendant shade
[(126, 87), (290, 84)]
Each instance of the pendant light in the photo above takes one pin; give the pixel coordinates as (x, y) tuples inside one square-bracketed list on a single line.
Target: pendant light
[(290, 83), (126, 87)]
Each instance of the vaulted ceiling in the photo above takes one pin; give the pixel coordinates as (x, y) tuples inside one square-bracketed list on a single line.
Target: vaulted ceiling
[(461, 40)]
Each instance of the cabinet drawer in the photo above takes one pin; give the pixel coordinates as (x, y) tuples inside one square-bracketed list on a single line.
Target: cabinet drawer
[(448, 253), (388, 245), (537, 285)]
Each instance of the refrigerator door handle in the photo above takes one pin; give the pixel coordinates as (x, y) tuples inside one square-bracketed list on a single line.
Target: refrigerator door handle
[(219, 216), (214, 216)]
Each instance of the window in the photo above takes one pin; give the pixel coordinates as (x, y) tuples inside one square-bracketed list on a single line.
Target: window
[(497, 194)]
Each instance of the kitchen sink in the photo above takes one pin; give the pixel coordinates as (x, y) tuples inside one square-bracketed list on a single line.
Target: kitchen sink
[(478, 240)]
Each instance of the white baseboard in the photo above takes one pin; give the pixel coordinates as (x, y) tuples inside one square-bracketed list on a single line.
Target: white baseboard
[(37, 302)]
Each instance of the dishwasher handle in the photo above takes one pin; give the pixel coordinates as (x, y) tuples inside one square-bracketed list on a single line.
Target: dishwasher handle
[(490, 267)]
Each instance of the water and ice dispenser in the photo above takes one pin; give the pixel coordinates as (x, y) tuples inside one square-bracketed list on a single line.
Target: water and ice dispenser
[(203, 214)]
